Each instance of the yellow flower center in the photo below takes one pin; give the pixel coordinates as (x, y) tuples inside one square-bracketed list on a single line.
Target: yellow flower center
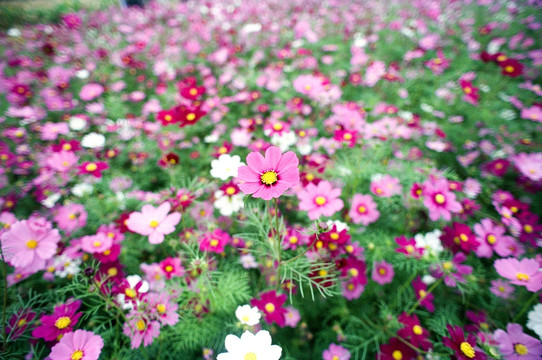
[(422, 293), (230, 190), (463, 237), (214, 243), (62, 322), (309, 177), (169, 268), (21, 322), (112, 271), (522, 277), (161, 308), (397, 355), (293, 239), (447, 265), (491, 239), (269, 177), (154, 224), (140, 325), (320, 200), (417, 329), (528, 229), (190, 116), (467, 349), (521, 349), (31, 244), (67, 147), (322, 272), (333, 247), (168, 117), (277, 127), (77, 355), (97, 244), (245, 318), (193, 91), (467, 90), (382, 271), (107, 252), (409, 249), (91, 167), (509, 69), (335, 357), (362, 210), (501, 57), (334, 236), (347, 136), (131, 293), (72, 216), (269, 307), (440, 199), (250, 356), (353, 272)]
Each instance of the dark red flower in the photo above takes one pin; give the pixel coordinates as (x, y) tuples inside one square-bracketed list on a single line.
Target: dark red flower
[(511, 67), (459, 237), (420, 290), (414, 332), (395, 349), (465, 349)]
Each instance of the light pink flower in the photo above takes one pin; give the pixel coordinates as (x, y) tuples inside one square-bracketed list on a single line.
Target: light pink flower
[(153, 222), (81, 344), (363, 210), (71, 217), (27, 246), (386, 186), (524, 272), (62, 161), (320, 200), (140, 329), (382, 272), (162, 308), (529, 165), (491, 238), (91, 91), (271, 176), (96, 243)]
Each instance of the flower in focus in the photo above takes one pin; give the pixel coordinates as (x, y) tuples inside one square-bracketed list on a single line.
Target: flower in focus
[(153, 222), (464, 348), (270, 176), (270, 303), (525, 272), (250, 347), (78, 345)]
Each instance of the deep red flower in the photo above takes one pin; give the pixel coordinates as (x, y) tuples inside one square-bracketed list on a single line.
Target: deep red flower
[(459, 237), (412, 330), (395, 349), (511, 67), (168, 160), (420, 290), (93, 168), (465, 349)]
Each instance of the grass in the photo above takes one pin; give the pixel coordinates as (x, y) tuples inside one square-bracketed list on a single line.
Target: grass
[(15, 13)]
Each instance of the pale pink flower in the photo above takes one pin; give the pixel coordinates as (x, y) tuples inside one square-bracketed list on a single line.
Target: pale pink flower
[(153, 222), (96, 243), (81, 345), (386, 186), (439, 200), (320, 200), (363, 210), (91, 91)]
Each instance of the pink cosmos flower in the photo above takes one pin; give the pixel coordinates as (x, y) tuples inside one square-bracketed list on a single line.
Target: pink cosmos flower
[(292, 316), (363, 210), (524, 272), (501, 288), (171, 267), (336, 352), (28, 245), (162, 308), (62, 321), (529, 165), (81, 345), (96, 244), (153, 222), (93, 168), (491, 238), (215, 241), (533, 113), (62, 161), (271, 176), (514, 344), (91, 91), (71, 217), (439, 200), (386, 186), (321, 199), (351, 290), (382, 272), (140, 329)]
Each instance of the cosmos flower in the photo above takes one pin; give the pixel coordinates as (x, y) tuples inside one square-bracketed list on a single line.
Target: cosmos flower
[(524, 272), (250, 346), (439, 200), (363, 210), (270, 176), (514, 344), (270, 303), (226, 166), (78, 345), (61, 321), (336, 352), (248, 315), (464, 348), (320, 200), (383, 272), (153, 222)]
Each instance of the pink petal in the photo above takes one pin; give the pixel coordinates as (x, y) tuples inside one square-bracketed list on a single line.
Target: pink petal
[(156, 238), (250, 187), (287, 161), (257, 162), (272, 157), (245, 173)]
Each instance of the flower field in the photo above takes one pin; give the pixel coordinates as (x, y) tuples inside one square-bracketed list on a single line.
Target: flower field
[(263, 180)]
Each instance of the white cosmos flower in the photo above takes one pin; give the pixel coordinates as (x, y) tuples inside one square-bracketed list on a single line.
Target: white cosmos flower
[(284, 141), (76, 123), (82, 189), (227, 205), (93, 140), (82, 74), (250, 346), (51, 200), (14, 32), (535, 320), (430, 242), (225, 166), (248, 315)]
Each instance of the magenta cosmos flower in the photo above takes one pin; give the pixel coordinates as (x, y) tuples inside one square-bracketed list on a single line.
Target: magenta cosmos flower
[(321, 199), (270, 303), (270, 176), (153, 222), (363, 210), (62, 321), (524, 272), (382, 272), (78, 345)]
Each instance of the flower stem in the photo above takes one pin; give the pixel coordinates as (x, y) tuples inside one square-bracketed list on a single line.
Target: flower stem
[(525, 307), (278, 242), (422, 298), (5, 300)]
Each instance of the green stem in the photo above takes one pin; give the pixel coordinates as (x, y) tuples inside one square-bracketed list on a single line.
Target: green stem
[(278, 241), (430, 290), (525, 307)]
